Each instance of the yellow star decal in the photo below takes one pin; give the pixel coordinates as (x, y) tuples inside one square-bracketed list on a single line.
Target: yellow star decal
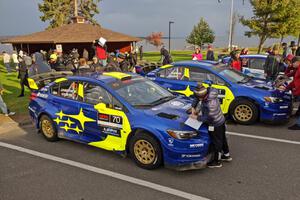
[(57, 120), (66, 128), (187, 92), (77, 129), (60, 114), (69, 122), (81, 118)]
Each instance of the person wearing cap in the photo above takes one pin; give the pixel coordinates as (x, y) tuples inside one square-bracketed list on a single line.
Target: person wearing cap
[(101, 50), (123, 63), (3, 106), (206, 108), (292, 48), (210, 53), (272, 64)]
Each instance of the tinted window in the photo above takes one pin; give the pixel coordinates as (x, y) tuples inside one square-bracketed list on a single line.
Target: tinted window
[(66, 89), (201, 75), (257, 63), (175, 73), (95, 94)]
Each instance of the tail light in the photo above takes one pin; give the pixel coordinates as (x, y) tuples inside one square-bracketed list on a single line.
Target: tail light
[(33, 96)]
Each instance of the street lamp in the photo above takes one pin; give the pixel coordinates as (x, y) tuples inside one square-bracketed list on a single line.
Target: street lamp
[(230, 24), (170, 22)]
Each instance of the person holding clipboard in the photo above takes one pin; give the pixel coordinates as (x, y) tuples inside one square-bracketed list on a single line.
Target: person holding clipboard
[(206, 109)]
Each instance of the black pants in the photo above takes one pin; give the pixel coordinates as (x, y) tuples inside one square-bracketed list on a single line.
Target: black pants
[(23, 82), (218, 141)]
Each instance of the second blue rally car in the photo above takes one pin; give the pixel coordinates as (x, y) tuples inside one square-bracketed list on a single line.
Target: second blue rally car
[(124, 113), (245, 98)]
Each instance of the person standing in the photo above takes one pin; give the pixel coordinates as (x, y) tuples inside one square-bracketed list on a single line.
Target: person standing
[(23, 75), (210, 53), (123, 63), (101, 51), (285, 50), (6, 61), (141, 52), (197, 55), (206, 108), (3, 106), (236, 61), (272, 64), (165, 56), (85, 54), (245, 51), (14, 57)]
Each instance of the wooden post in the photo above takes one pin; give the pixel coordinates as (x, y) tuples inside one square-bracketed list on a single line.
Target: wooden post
[(75, 8)]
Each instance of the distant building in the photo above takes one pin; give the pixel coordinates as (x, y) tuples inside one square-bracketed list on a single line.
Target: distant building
[(78, 34)]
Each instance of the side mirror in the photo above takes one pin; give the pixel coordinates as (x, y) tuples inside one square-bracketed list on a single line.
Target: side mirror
[(208, 82), (100, 106)]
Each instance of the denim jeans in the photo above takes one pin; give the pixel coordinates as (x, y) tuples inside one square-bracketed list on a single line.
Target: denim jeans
[(3, 106), (7, 65)]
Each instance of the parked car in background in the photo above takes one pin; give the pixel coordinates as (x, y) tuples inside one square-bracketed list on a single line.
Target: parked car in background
[(252, 65), (244, 98)]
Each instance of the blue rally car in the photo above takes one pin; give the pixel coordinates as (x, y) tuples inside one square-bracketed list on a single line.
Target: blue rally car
[(124, 113), (244, 98)]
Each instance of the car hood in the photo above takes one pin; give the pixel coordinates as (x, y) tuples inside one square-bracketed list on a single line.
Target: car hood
[(172, 111)]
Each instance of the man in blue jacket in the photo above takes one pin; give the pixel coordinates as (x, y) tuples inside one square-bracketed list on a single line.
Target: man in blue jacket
[(206, 108)]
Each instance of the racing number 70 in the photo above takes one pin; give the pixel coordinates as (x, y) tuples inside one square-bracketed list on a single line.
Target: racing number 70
[(116, 119)]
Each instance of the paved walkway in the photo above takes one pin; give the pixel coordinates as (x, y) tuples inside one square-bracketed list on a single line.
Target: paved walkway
[(7, 124)]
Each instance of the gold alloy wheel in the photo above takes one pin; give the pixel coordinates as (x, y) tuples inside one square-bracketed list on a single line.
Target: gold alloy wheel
[(144, 152), (47, 128), (243, 113)]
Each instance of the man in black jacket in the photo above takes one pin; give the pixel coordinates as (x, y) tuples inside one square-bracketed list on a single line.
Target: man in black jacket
[(210, 53), (272, 64)]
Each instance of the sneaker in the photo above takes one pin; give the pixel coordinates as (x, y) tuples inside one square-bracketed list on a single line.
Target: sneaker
[(11, 113), (214, 164), (226, 158), (294, 127)]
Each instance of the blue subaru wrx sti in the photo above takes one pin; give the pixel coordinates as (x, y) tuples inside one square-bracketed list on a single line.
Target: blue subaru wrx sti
[(124, 113), (245, 98)]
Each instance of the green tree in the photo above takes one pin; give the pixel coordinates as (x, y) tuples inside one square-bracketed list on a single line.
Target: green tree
[(59, 12), (269, 20), (288, 20), (201, 34)]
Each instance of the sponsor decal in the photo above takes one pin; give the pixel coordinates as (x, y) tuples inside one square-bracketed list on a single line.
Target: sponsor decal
[(177, 103), (190, 155), (41, 95), (284, 107), (279, 114), (110, 131), (196, 145), (111, 121)]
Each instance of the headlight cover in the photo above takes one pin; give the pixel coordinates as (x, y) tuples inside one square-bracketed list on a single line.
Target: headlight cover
[(182, 135), (273, 99)]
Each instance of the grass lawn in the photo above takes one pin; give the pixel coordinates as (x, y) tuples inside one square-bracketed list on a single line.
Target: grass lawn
[(12, 90)]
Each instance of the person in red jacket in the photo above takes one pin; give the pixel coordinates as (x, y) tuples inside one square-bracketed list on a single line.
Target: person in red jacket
[(290, 70), (236, 61), (294, 86)]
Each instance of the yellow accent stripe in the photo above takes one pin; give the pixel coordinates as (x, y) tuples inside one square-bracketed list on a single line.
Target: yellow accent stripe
[(166, 66), (60, 80), (117, 75), (32, 84), (80, 90), (187, 92)]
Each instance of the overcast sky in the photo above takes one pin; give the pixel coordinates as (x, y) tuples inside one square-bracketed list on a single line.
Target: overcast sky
[(134, 17)]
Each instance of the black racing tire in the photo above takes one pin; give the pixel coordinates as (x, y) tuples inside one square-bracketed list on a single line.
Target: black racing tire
[(145, 150), (244, 112), (48, 129)]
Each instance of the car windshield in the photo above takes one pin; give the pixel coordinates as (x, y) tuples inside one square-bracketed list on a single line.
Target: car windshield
[(142, 92), (232, 75)]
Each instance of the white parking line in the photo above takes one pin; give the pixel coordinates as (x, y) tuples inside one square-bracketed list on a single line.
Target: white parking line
[(263, 138), (116, 175)]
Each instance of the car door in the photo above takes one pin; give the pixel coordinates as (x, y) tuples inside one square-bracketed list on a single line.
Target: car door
[(224, 93), (175, 79), (110, 127), (65, 102)]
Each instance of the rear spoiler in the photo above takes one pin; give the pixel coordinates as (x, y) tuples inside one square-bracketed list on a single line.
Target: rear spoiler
[(40, 80)]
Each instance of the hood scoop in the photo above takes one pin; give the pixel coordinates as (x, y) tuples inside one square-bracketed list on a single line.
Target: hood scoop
[(167, 116)]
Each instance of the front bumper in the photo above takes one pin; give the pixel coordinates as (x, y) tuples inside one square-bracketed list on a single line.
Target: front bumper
[(273, 112), (190, 166)]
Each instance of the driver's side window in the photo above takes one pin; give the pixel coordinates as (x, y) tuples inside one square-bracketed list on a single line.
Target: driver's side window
[(200, 75), (174, 73), (95, 94)]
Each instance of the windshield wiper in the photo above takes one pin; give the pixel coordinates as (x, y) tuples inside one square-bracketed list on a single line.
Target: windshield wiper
[(162, 100)]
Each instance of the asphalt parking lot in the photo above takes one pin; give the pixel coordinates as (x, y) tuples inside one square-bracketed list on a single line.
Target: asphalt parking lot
[(265, 166)]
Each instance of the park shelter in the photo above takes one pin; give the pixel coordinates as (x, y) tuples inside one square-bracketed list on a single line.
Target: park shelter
[(78, 34)]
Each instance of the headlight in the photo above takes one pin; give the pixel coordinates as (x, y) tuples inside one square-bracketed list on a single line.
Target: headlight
[(273, 99), (182, 134)]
